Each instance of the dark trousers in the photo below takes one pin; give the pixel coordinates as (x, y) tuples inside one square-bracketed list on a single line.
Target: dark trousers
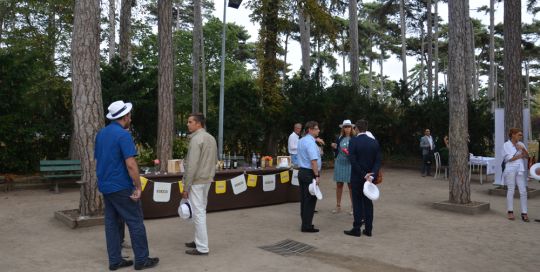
[(425, 164), (307, 201), (119, 204), (361, 202), (121, 229)]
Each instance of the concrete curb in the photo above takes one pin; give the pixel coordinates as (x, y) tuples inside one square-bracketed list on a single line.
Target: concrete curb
[(472, 210)]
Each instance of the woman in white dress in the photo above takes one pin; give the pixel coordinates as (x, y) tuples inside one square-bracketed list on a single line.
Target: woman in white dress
[(515, 154)]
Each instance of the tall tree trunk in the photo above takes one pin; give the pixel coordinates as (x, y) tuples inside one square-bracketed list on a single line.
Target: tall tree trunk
[(382, 74), (270, 68), (112, 30), (470, 52), (403, 41), (528, 96), (344, 55), (459, 191), (513, 97), (491, 84), (422, 64), (370, 94), (125, 33), (353, 39), (165, 84), (429, 50), (436, 55), (473, 62), (203, 71), (196, 54), (73, 148), (86, 96), (305, 23), (444, 69)]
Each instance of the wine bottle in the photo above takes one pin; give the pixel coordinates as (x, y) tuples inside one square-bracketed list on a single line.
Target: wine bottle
[(258, 160), (235, 162)]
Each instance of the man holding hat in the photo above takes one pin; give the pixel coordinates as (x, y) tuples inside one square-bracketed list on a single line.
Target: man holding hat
[(120, 184), (201, 162)]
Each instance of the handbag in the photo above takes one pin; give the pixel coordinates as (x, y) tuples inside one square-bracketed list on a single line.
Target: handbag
[(379, 178), (503, 164)]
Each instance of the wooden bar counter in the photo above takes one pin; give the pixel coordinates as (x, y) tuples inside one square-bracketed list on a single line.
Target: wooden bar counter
[(252, 197)]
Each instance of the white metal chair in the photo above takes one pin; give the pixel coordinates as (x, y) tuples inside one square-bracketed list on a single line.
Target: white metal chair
[(438, 166)]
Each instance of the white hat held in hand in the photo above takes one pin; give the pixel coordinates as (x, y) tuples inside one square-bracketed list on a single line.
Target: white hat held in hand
[(532, 171), (118, 109), (315, 190), (185, 211), (346, 123), (371, 191)]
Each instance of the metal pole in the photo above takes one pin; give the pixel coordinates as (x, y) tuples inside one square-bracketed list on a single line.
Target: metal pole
[(222, 84)]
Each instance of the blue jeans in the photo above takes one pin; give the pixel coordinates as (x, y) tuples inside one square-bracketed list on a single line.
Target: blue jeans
[(294, 159), (119, 204)]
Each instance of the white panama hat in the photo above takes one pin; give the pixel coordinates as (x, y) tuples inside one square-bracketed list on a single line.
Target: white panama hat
[(315, 190), (346, 123), (185, 211), (371, 191), (532, 171), (118, 109)]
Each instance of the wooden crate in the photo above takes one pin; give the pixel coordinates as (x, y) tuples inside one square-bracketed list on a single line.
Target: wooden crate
[(176, 166), (278, 160)]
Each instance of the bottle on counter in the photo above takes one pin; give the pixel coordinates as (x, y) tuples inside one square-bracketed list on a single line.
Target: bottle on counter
[(254, 161), (229, 161), (263, 163), (235, 162), (258, 160)]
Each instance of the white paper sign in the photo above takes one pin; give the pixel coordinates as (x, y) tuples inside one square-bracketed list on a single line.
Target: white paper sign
[(294, 180), (162, 191), (269, 183), (284, 162), (239, 184)]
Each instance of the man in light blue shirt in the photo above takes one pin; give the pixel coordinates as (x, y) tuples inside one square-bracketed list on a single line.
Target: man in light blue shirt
[(309, 161)]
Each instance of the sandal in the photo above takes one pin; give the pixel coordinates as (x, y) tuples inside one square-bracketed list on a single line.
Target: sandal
[(511, 219), (337, 210), (525, 219)]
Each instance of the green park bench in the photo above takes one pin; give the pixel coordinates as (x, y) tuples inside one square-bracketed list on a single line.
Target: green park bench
[(60, 169)]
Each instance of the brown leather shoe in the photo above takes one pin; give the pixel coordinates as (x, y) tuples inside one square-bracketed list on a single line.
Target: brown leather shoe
[(191, 245), (423, 175), (195, 252)]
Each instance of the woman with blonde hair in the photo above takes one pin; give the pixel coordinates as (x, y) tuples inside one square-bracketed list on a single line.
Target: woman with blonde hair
[(342, 167), (515, 155)]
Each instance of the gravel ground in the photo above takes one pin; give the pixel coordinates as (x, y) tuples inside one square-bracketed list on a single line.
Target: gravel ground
[(408, 235)]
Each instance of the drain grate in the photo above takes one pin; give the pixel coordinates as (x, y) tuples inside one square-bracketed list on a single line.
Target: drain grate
[(288, 248)]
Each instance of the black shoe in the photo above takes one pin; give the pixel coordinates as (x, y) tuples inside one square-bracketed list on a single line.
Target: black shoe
[(310, 230), (123, 263), (351, 233), (315, 211), (368, 234), (151, 262), (191, 245)]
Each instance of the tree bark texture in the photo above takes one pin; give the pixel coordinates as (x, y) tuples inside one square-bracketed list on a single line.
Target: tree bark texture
[(422, 49), (429, 50), (344, 55), (436, 54), (196, 54), (203, 61), (112, 30), (353, 40), (86, 95), (403, 41), (305, 23), (125, 32), (491, 84), (469, 68), (473, 60), (513, 97), (165, 84), (459, 191)]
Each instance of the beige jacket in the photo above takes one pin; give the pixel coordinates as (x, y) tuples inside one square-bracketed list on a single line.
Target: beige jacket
[(201, 159)]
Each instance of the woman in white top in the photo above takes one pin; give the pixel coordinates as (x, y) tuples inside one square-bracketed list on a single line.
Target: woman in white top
[(515, 154)]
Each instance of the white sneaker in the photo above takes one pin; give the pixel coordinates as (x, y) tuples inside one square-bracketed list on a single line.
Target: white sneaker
[(124, 254), (126, 245)]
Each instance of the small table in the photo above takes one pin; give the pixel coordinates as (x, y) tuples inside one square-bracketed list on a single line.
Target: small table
[(481, 161), (253, 196)]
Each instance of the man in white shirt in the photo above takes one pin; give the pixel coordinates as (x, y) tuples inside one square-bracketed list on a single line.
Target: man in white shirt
[(426, 143), (293, 143)]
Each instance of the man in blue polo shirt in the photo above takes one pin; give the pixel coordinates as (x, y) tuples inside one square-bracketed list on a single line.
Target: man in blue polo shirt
[(309, 161), (120, 184)]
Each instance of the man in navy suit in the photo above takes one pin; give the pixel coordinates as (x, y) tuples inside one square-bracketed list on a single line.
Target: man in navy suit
[(365, 158)]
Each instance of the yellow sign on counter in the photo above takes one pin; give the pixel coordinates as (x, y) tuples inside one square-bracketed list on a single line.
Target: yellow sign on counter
[(252, 180), (284, 177), (221, 186), (143, 183)]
